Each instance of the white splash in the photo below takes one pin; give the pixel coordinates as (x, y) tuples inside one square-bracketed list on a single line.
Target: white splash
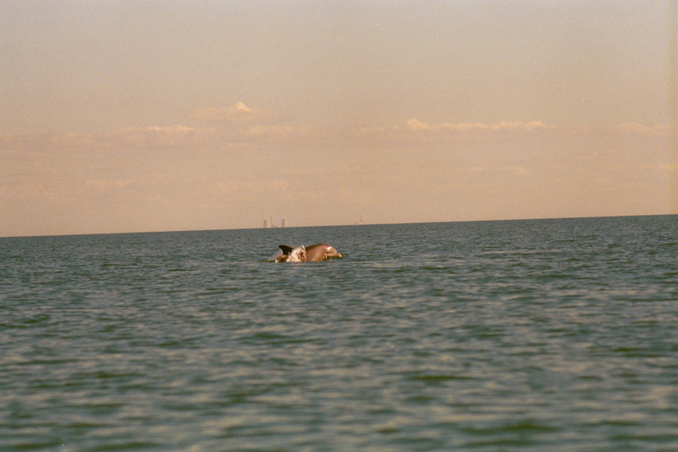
[(297, 254)]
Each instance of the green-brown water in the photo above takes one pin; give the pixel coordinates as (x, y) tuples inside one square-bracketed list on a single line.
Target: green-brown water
[(545, 335)]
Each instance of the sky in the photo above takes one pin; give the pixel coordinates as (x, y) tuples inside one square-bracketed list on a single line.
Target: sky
[(120, 116)]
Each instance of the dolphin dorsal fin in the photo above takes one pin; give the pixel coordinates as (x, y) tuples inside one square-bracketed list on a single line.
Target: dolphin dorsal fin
[(285, 249)]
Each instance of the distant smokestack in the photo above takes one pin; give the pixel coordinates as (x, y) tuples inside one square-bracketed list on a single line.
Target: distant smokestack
[(283, 222), (266, 224)]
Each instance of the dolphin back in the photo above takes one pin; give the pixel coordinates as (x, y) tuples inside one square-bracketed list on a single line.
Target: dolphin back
[(321, 252)]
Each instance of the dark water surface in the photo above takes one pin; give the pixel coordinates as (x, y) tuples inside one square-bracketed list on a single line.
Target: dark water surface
[(545, 335)]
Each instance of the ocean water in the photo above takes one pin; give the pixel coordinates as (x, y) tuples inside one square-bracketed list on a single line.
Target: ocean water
[(544, 335)]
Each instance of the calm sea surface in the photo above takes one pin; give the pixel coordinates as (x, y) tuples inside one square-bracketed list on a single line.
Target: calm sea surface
[(548, 335)]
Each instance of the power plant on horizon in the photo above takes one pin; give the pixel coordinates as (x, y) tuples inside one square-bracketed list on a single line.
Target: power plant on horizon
[(268, 223)]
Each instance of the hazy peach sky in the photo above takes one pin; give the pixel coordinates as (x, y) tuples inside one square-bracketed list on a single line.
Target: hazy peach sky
[(122, 116)]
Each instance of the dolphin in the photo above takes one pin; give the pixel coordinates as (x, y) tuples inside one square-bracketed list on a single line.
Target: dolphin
[(313, 253)]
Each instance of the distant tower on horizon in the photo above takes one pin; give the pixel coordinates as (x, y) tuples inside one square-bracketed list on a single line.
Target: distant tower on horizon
[(268, 223)]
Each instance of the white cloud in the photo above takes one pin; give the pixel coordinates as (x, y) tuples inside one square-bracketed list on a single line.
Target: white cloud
[(236, 114), (281, 132), (159, 137), (416, 129), (416, 125)]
